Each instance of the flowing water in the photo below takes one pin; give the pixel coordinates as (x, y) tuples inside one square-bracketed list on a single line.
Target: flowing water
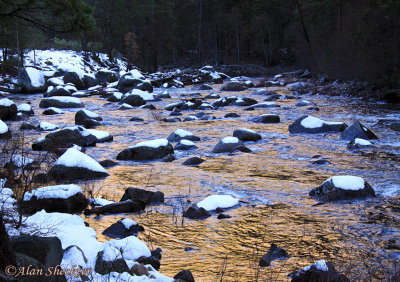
[(360, 237)]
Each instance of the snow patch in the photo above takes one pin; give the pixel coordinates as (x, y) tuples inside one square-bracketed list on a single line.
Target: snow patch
[(232, 140), (320, 265), (362, 142), (127, 222), (347, 182), (35, 76), (3, 127), (130, 248), (6, 102), (57, 191), (183, 133), (156, 143), (74, 158), (48, 126), (218, 201)]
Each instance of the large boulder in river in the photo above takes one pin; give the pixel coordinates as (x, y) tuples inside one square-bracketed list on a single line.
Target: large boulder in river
[(148, 150), (133, 100), (123, 228), (59, 198), (148, 197), (357, 130), (65, 138), (106, 76), (247, 135), (31, 80), (233, 86), (83, 115), (130, 81), (75, 165), (181, 134), (227, 145), (342, 188), (58, 91), (318, 271), (75, 79), (89, 80), (5, 133), (61, 102), (8, 109), (310, 124)]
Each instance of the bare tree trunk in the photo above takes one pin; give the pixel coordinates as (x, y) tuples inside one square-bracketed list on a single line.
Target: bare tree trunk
[(153, 39), (303, 25), (264, 47), (6, 254), (237, 41)]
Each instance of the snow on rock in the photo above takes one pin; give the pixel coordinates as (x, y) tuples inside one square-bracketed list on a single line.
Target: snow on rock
[(311, 124), (21, 161), (57, 191), (55, 81), (320, 265), (6, 102), (127, 222), (24, 108), (61, 102), (100, 202), (74, 158), (218, 201), (147, 150), (47, 126), (180, 134), (102, 136), (31, 80), (230, 140), (362, 142), (3, 127), (54, 110), (129, 248), (145, 95), (342, 188), (156, 143), (36, 77), (90, 114)]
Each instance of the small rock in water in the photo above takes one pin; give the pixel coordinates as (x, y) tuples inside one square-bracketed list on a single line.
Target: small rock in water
[(273, 253), (319, 271), (184, 275), (223, 216), (194, 161), (108, 163), (231, 115)]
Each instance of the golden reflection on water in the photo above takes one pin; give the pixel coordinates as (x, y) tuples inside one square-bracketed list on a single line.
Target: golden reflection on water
[(272, 182)]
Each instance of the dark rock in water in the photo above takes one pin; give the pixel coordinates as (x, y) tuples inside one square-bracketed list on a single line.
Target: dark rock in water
[(106, 76), (62, 173), (127, 206), (149, 106), (194, 212), (223, 216), (89, 80), (153, 261), (289, 97), (90, 123), (190, 118), (194, 161), (247, 135), (127, 82), (105, 267), (273, 253), (136, 119), (82, 115), (108, 163), (272, 97), (134, 100), (52, 111), (313, 109), (6, 133), (168, 158), (143, 152), (145, 196), (27, 126), (123, 228), (321, 162), (233, 86), (57, 91), (227, 145), (145, 86), (245, 102), (46, 250), (8, 109), (202, 87), (174, 119), (184, 276), (342, 188), (73, 204), (267, 118), (185, 145), (212, 96), (303, 103), (180, 134), (319, 271), (357, 130), (310, 124), (175, 114), (358, 143), (74, 78), (392, 96), (231, 115), (242, 148), (175, 105)]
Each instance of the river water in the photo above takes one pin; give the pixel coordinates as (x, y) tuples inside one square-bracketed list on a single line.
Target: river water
[(361, 238)]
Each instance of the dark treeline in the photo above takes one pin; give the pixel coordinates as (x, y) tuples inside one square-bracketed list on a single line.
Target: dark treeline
[(342, 38)]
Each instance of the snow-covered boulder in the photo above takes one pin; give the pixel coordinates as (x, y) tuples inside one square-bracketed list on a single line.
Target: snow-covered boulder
[(25, 109), (31, 80), (185, 145), (65, 138), (342, 188), (53, 111), (73, 165), (267, 118), (145, 86), (180, 134), (318, 271), (174, 105), (46, 126), (357, 130), (148, 97), (227, 145), (61, 102), (8, 109), (54, 81), (125, 106), (148, 150), (214, 202), (311, 124), (59, 198), (106, 76), (102, 136), (115, 97), (5, 133), (244, 134), (74, 78), (233, 86), (358, 143), (130, 81), (123, 228), (83, 117), (89, 80), (58, 91)]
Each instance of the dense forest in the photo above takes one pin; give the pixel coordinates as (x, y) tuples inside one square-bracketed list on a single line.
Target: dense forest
[(344, 39)]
